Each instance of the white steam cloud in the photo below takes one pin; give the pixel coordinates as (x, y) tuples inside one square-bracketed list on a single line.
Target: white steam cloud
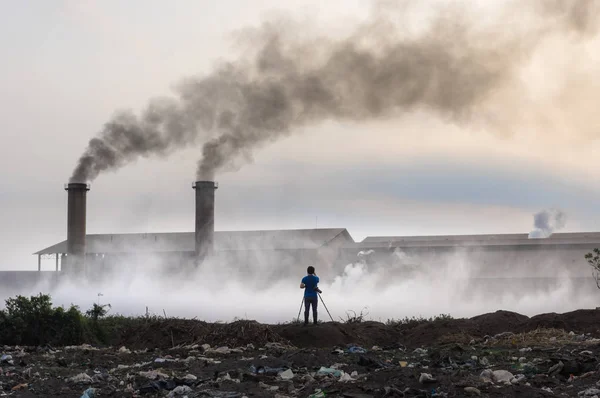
[(547, 222), (394, 285)]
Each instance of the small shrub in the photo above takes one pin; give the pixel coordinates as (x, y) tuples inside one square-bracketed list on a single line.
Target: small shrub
[(97, 311), (355, 318)]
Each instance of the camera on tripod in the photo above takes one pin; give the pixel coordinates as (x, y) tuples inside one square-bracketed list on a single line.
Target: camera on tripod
[(316, 289)]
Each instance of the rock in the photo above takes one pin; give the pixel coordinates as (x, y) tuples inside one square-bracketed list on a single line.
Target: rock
[(124, 350), (522, 360), (426, 378), (190, 377), (472, 391), (547, 389), (346, 378), (526, 349)]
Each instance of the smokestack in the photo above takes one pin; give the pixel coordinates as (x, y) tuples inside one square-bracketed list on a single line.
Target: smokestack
[(76, 217), (205, 218)]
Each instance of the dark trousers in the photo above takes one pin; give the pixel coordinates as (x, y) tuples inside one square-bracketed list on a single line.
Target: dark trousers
[(308, 301)]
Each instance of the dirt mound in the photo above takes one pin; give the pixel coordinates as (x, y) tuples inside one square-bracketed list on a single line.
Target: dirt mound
[(241, 333), (499, 321), (176, 332), (582, 321), (339, 334), (167, 333)]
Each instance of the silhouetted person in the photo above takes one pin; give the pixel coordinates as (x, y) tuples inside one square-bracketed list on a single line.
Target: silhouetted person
[(310, 285)]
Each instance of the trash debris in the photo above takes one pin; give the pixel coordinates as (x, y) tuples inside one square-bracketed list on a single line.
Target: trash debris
[(502, 376), (426, 378), (81, 378), (6, 359), (472, 391), (179, 391), (590, 392), (443, 365), (20, 387), (89, 393), (329, 371), (356, 350), (287, 375)]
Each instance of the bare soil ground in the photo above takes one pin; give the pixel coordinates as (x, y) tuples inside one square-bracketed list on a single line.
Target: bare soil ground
[(542, 356)]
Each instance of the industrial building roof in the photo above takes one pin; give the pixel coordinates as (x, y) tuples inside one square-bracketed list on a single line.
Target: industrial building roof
[(224, 241), (574, 238)]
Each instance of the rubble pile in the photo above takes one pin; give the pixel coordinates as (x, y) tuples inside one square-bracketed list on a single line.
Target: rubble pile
[(247, 359)]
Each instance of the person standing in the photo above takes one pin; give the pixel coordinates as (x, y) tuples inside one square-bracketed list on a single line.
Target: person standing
[(310, 285)]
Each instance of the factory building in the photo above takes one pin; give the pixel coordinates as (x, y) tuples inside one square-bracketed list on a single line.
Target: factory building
[(274, 252), (510, 257)]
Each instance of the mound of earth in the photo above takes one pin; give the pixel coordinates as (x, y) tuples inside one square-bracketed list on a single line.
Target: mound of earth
[(168, 333)]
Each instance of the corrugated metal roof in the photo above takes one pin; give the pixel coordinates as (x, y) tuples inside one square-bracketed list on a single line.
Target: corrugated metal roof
[(184, 241), (579, 238)]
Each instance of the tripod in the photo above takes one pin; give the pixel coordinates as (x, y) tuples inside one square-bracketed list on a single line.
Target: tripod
[(326, 309)]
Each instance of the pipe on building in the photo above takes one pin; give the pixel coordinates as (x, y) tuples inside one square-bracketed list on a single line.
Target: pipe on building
[(76, 219), (205, 218)]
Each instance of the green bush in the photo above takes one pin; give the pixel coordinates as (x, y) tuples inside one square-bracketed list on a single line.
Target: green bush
[(33, 321)]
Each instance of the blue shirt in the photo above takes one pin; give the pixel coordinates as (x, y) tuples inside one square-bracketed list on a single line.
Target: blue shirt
[(310, 282)]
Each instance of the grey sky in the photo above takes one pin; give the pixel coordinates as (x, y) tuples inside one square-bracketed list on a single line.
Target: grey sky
[(68, 65)]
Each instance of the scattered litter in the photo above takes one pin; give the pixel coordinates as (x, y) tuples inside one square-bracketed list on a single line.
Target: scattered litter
[(356, 350), (472, 391), (179, 391), (81, 378), (330, 371), (287, 375), (590, 392), (153, 375), (20, 387), (426, 378), (89, 393)]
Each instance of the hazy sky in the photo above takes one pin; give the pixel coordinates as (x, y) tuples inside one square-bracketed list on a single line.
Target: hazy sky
[(68, 65)]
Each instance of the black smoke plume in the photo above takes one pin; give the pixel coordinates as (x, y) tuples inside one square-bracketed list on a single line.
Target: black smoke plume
[(292, 79)]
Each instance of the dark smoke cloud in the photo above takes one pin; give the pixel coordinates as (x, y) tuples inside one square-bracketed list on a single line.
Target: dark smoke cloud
[(452, 69), (546, 222)]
